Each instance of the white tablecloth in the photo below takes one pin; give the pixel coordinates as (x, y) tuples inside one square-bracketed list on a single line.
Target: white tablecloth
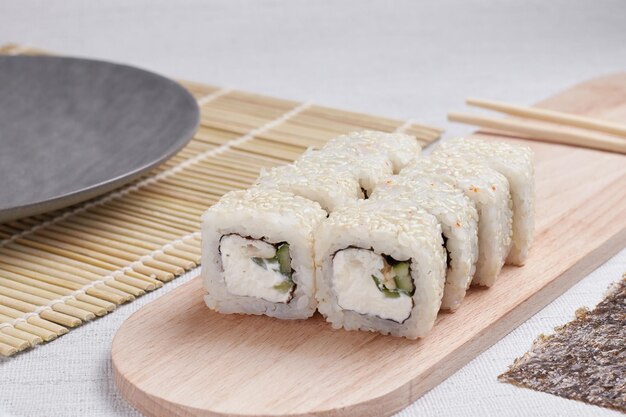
[(402, 59)]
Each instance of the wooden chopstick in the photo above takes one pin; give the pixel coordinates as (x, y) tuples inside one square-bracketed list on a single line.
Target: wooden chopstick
[(544, 133), (551, 116)]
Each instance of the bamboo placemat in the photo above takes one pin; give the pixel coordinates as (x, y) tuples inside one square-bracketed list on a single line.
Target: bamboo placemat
[(61, 269)]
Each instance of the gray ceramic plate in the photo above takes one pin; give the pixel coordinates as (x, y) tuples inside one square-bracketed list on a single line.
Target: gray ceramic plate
[(71, 129)]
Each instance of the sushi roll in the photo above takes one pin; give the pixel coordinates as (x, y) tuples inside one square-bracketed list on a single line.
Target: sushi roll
[(399, 148), (516, 163), (380, 267), (367, 168), (345, 170), (331, 188), (489, 191), (257, 253), (459, 224)]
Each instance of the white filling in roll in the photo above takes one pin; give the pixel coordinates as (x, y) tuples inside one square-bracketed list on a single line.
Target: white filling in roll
[(251, 269), (380, 267), (364, 282)]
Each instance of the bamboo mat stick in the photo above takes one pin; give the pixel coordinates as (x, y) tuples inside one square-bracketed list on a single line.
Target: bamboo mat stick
[(189, 247), (37, 300), (68, 274), (125, 289), (79, 232), (194, 196), (47, 266), (167, 216), (13, 272), (200, 189), (7, 350), (242, 174), (52, 295), (279, 146), (48, 315), (44, 334), (81, 266), (148, 283), (60, 290), (89, 245), (27, 290), (139, 280), (149, 242), (342, 122), (42, 328), (179, 251), (85, 266), (76, 252), (97, 310), (17, 343), (94, 229), (203, 171), (48, 325), (546, 115), (188, 210), (60, 318), (55, 250), (200, 180), (149, 195), (45, 262), (238, 158), (123, 211), (147, 223), (123, 226), (548, 134), (242, 162), (31, 339)]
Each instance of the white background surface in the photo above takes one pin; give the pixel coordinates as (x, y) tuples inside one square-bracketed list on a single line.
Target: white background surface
[(401, 59)]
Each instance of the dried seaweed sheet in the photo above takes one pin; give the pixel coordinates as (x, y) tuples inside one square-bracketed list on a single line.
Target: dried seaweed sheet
[(583, 360)]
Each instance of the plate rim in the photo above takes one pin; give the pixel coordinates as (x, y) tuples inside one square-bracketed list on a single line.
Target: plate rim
[(83, 194)]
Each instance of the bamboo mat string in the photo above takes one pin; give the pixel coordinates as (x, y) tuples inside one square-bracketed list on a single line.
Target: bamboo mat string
[(213, 96)]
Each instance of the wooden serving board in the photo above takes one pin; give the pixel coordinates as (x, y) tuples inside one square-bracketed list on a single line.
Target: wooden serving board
[(190, 361)]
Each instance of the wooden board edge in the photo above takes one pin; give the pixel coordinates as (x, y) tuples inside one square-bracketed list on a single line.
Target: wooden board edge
[(404, 396), (143, 402)]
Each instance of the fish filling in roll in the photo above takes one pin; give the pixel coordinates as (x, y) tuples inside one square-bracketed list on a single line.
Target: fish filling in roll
[(256, 268), (373, 284)]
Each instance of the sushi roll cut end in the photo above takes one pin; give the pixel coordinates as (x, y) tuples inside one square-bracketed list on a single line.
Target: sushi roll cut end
[(380, 268), (257, 254)]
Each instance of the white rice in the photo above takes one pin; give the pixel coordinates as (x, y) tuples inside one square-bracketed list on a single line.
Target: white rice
[(346, 169), (399, 148), (516, 163), (489, 191), (458, 218), (367, 168), (331, 188)]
